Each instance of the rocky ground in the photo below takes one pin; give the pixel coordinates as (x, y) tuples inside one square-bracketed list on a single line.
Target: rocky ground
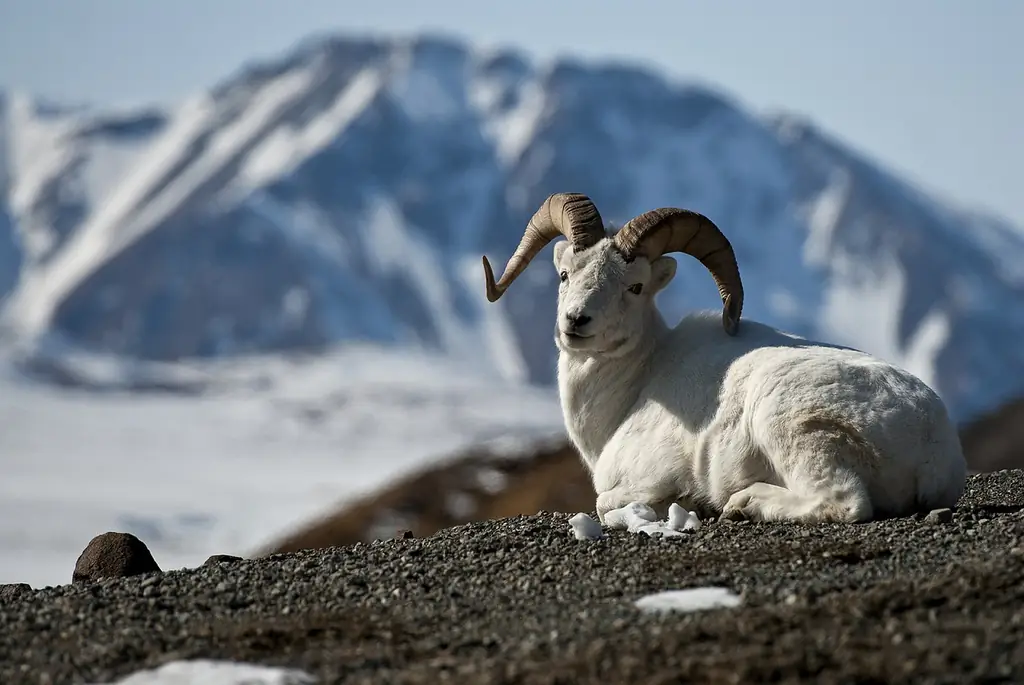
[(520, 601)]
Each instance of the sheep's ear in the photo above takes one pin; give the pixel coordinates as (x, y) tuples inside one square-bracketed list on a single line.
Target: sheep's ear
[(559, 251), (663, 270)]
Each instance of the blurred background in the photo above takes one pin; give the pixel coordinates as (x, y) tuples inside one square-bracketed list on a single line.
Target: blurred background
[(241, 301)]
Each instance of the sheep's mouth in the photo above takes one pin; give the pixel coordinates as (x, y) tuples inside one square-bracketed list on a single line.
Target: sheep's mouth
[(575, 339)]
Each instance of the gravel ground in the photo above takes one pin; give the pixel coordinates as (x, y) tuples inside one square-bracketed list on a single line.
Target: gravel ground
[(520, 601)]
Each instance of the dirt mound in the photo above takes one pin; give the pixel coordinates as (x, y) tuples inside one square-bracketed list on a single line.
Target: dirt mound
[(484, 483), (996, 441)]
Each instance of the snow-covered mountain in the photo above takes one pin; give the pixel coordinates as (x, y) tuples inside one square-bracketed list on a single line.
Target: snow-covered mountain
[(346, 192)]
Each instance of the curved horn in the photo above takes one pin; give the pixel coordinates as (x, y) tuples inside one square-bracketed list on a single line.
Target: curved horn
[(570, 214), (668, 229)]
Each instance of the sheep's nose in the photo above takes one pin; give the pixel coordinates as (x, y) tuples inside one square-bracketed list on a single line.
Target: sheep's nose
[(577, 320)]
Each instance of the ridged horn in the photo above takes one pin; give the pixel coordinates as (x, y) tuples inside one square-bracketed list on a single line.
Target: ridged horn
[(570, 214), (669, 229)]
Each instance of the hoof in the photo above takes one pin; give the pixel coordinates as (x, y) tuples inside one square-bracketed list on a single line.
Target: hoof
[(733, 515)]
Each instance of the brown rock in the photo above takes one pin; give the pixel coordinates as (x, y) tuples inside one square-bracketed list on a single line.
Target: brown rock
[(113, 555)]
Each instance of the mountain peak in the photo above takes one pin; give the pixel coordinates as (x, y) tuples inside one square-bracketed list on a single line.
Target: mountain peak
[(345, 191)]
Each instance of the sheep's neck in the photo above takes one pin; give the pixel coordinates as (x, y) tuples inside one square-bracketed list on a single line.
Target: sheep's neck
[(597, 393)]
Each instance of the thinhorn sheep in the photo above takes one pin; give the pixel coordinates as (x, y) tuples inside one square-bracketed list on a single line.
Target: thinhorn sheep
[(734, 421)]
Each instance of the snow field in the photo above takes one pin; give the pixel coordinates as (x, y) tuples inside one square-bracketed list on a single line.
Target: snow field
[(269, 445)]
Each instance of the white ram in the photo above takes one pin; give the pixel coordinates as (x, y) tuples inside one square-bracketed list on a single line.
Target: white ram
[(737, 421)]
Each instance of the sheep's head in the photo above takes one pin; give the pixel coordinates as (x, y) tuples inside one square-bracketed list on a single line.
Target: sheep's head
[(603, 299), (608, 283)]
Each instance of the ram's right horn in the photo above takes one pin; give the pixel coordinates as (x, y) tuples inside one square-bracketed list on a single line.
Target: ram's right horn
[(570, 214)]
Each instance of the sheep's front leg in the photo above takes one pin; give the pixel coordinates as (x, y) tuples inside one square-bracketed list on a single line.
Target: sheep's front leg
[(621, 496), (766, 502)]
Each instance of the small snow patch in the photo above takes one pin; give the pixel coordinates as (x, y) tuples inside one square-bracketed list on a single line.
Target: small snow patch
[(680, 519), (585, 528), (491, 480), (460, 505), (206, 672), (691, 599), (638, 517)]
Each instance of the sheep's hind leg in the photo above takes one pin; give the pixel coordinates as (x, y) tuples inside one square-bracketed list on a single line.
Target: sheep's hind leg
[(823, 460), (766, 502)]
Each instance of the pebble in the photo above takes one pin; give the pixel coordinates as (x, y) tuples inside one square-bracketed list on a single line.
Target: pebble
[(221, 559), (939, 516)]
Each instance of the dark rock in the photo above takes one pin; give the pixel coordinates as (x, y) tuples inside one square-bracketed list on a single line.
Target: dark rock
[(939, 516), (404, 535), (12, 590), (113, 555), (221, 559)]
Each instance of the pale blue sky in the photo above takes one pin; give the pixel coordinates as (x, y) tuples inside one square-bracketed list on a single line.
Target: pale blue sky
[(933, 88)]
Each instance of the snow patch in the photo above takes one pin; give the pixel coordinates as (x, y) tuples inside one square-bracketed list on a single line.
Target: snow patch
[(496, 329), (459, 505), (823, 218), (862, 308), (922, 354), (393, 247), (585, 528), (280, 152), (491, 480), (784, 304), (637, 517), (210, 672), (304, 225), (422, 91), (513, 130), (37, 147), (108, 163), (271, 443), (1003, 243), (688, 600), (680, 519)]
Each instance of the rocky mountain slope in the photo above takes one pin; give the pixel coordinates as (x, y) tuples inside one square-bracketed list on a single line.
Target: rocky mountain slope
[(346, 191)]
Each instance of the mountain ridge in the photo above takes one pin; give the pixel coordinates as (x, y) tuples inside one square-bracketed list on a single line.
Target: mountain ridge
[(344, 191)]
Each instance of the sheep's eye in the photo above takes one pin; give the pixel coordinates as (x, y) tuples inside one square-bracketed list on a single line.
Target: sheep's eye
[(564, 276), (636, 288)]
